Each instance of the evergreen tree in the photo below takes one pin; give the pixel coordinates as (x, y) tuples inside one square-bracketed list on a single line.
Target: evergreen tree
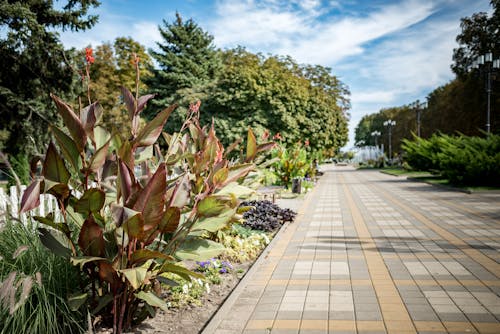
[(188, 64), (34, 64)]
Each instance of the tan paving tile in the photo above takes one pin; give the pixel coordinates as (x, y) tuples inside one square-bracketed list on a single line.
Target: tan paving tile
[(456, 326), (429, 326), (370, 326), (314, 324), (399, 326), (286, 324), (342, 325), (487, 328)]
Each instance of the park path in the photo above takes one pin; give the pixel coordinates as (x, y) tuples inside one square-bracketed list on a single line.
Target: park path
[(373, 253)]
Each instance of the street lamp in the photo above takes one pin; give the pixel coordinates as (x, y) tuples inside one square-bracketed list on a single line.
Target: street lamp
[(389, 124), (489, 65), (418, 107), (376, 134)]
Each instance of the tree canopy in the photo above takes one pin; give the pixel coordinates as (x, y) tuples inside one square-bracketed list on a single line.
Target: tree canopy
[(34, 64)]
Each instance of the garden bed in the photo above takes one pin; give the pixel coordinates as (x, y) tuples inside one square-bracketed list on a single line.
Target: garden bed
[(191, 319)]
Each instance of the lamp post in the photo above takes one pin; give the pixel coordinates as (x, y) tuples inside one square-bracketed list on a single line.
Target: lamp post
[(389, 124), (418, 107), (376, 134), (489, 65)]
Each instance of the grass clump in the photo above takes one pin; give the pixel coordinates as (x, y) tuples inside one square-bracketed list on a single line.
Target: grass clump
[(35, 285)]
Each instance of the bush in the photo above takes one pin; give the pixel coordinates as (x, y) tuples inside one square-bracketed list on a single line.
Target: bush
[(461, 159), (45, 310)]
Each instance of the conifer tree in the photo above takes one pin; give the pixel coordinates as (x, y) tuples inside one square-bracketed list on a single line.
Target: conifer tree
[(34, 64), (188, 64)]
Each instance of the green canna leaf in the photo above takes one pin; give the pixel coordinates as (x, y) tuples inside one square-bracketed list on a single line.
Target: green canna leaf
[(54, 168)]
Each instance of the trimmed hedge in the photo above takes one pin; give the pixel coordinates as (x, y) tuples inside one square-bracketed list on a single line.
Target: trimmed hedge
[(461, 159)]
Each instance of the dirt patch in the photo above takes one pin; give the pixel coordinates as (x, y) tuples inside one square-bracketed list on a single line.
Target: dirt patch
[(191, 319)]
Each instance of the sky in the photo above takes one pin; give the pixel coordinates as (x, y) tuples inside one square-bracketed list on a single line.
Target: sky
[(388, 52)]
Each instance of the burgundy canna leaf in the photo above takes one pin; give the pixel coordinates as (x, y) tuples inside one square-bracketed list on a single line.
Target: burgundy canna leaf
[(129, 101), (31, 197), (125, 180), (68, 148), (141, 103), (151, 199), (72, 122), (53, 166), (91, 240), (170, 220), (89, 117), (150, 133), (99, 157)]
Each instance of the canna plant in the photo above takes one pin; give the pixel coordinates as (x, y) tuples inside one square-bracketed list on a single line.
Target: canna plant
[(129, 213)]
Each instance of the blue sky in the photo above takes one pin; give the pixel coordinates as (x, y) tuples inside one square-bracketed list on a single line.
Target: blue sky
[(388, 52)]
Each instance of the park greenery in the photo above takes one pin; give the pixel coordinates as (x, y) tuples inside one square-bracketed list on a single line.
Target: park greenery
[(237, 88), (456, 107), (463, 160)]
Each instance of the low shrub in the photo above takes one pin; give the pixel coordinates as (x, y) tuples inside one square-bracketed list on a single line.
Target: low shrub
[(266, 216), (461, 159)]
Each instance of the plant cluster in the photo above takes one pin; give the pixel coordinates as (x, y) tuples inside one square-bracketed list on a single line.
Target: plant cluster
[(242, 243), (266, 216), (130, 212), (184, 292), (213, 269), (291, 163), (461, 159)]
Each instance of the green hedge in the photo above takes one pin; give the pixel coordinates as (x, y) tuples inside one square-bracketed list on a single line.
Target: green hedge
[(461, 159)]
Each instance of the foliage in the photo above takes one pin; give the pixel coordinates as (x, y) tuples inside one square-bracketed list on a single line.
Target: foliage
[(242, 243), (291, 163), (34, 63), (276, 95), (460, 159), (186, 292), (480, 34), (45, 309), (129, 212), (188, 63), (266, 216)]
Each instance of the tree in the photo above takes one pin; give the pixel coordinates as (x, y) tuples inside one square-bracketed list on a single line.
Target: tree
[(34, 63), (275, 94), (111, 70), (480, 34), (188, 63)]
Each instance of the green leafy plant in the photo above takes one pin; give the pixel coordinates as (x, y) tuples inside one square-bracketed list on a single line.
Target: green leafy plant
[(291, 163), (129, 213)]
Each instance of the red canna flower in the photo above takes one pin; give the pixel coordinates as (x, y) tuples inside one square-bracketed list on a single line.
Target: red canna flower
[(306, 143), (88, 56), (277, 136)]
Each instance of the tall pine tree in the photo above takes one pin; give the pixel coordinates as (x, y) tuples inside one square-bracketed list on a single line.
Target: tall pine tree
[(34, 64), (188, 66)]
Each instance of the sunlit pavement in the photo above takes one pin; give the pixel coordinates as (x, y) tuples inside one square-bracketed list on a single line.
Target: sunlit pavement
[(373, 253)]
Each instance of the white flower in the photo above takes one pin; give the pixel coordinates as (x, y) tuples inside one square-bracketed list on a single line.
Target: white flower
[(185, 288)]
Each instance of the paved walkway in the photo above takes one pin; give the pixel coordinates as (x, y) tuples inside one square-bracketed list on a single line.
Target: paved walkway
[(373, 253)]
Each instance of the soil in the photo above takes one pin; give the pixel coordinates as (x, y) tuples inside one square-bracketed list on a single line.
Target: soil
[(191, 319)]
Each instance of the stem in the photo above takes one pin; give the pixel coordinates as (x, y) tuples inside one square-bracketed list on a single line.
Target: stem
[(88, 82)]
